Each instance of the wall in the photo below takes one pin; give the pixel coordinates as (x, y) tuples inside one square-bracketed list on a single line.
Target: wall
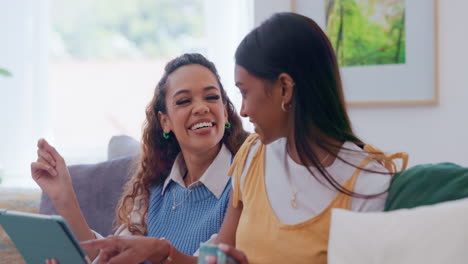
[(428, 133)]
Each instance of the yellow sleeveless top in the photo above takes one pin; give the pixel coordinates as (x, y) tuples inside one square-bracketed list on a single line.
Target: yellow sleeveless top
[(261, 236)]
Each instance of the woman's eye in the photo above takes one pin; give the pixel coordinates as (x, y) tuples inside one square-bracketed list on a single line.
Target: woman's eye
[(243, 93), (181, 102), (213, 97)]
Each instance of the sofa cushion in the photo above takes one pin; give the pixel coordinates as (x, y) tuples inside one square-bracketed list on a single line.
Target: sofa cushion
[(98, 188), (122, 146), (430, 234), (427, 184)]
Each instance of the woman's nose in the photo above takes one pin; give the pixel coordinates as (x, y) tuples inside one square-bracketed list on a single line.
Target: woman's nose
[(200, 109), (243, 113)]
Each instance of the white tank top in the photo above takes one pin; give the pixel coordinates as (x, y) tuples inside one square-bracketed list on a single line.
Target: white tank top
[(313, 196)]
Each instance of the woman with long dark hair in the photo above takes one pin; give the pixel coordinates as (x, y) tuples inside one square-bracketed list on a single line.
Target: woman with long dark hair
[(304, 159), (180, 191)]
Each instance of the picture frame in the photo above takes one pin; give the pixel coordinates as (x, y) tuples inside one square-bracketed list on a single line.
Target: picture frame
[(413, 82)]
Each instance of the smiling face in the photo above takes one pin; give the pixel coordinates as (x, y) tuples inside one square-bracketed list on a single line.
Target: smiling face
[(195, 110), (261, 107)]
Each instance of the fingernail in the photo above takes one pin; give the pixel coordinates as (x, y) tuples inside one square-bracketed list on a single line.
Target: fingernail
[(210, 258), (223, 247)]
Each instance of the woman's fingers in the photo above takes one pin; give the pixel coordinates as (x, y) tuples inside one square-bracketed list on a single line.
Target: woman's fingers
[(234, 256), (39, 166), (46, 156), (44, 145), (237, 255), (106, 255), (99, 243), (124, 257), (211, 259)]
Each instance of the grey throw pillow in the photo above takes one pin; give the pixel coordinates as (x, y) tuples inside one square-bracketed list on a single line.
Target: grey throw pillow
[(98, 188), (122, 146)]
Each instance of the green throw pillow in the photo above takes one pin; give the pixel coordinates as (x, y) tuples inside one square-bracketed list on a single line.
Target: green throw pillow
[(427, 184)]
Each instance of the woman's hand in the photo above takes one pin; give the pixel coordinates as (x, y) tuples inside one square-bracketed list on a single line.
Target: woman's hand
[(232, 252), (50, 172), (129, 249)]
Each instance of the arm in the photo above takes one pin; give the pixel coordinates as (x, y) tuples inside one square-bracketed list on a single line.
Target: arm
[(227, 233), (135, 249), (51, 173)]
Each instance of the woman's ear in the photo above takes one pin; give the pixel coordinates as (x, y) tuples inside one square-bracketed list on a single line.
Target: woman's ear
[(226, 112), (287, 87), (164, 122)]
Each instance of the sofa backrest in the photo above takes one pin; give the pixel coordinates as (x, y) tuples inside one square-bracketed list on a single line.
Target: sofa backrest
[(98, 188)]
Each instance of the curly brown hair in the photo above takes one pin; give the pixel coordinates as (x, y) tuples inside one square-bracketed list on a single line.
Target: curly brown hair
[(158, 154)]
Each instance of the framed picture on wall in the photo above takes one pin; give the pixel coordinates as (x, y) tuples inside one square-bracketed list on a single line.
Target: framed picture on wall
[(387, 49)]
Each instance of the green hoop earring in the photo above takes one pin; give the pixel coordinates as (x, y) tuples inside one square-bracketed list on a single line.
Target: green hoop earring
[(228, 125), (166, 136)]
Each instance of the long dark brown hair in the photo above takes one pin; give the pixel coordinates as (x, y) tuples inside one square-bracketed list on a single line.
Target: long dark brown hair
[(294, 44), (158, 154)]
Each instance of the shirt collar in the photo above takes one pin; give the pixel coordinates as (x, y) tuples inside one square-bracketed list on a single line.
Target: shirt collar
[(215, 177)]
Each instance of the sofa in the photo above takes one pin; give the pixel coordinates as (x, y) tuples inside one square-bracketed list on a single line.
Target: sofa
[(98, 188)]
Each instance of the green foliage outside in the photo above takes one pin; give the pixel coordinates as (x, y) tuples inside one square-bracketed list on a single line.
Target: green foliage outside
[(103, 29), (367, 32), (4, 72)]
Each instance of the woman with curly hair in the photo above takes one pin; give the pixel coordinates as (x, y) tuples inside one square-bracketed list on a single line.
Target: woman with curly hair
[(180, 192)]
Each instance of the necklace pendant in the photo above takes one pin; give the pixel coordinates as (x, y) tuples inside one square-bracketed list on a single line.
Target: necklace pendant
[(173, 208), (293, 200), (294, 203)]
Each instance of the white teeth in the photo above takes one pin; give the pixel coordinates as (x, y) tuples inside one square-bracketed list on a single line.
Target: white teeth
[(201, 125)]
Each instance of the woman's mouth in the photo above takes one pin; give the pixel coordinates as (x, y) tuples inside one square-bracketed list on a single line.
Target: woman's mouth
[(201, 125)]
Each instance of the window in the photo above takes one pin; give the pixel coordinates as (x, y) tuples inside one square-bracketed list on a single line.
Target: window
[(95, 66), (106, 59)]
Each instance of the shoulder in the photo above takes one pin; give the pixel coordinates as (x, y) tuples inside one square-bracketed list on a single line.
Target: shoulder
[(245, 155), (241, 164), (373, 179)]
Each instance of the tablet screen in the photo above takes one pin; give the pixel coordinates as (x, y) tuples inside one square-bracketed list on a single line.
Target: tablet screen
[(39, 237)]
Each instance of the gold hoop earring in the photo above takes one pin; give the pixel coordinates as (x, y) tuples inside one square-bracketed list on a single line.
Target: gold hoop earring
[(283, 107)]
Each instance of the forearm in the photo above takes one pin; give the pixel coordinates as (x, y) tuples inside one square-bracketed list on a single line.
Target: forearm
[(227, 233), (164, 249), (69, 208)]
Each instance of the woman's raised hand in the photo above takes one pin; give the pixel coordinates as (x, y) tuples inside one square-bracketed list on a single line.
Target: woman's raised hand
[(50, 171)]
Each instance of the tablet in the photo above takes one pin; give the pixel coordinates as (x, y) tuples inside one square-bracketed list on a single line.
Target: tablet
[(39, 237)]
